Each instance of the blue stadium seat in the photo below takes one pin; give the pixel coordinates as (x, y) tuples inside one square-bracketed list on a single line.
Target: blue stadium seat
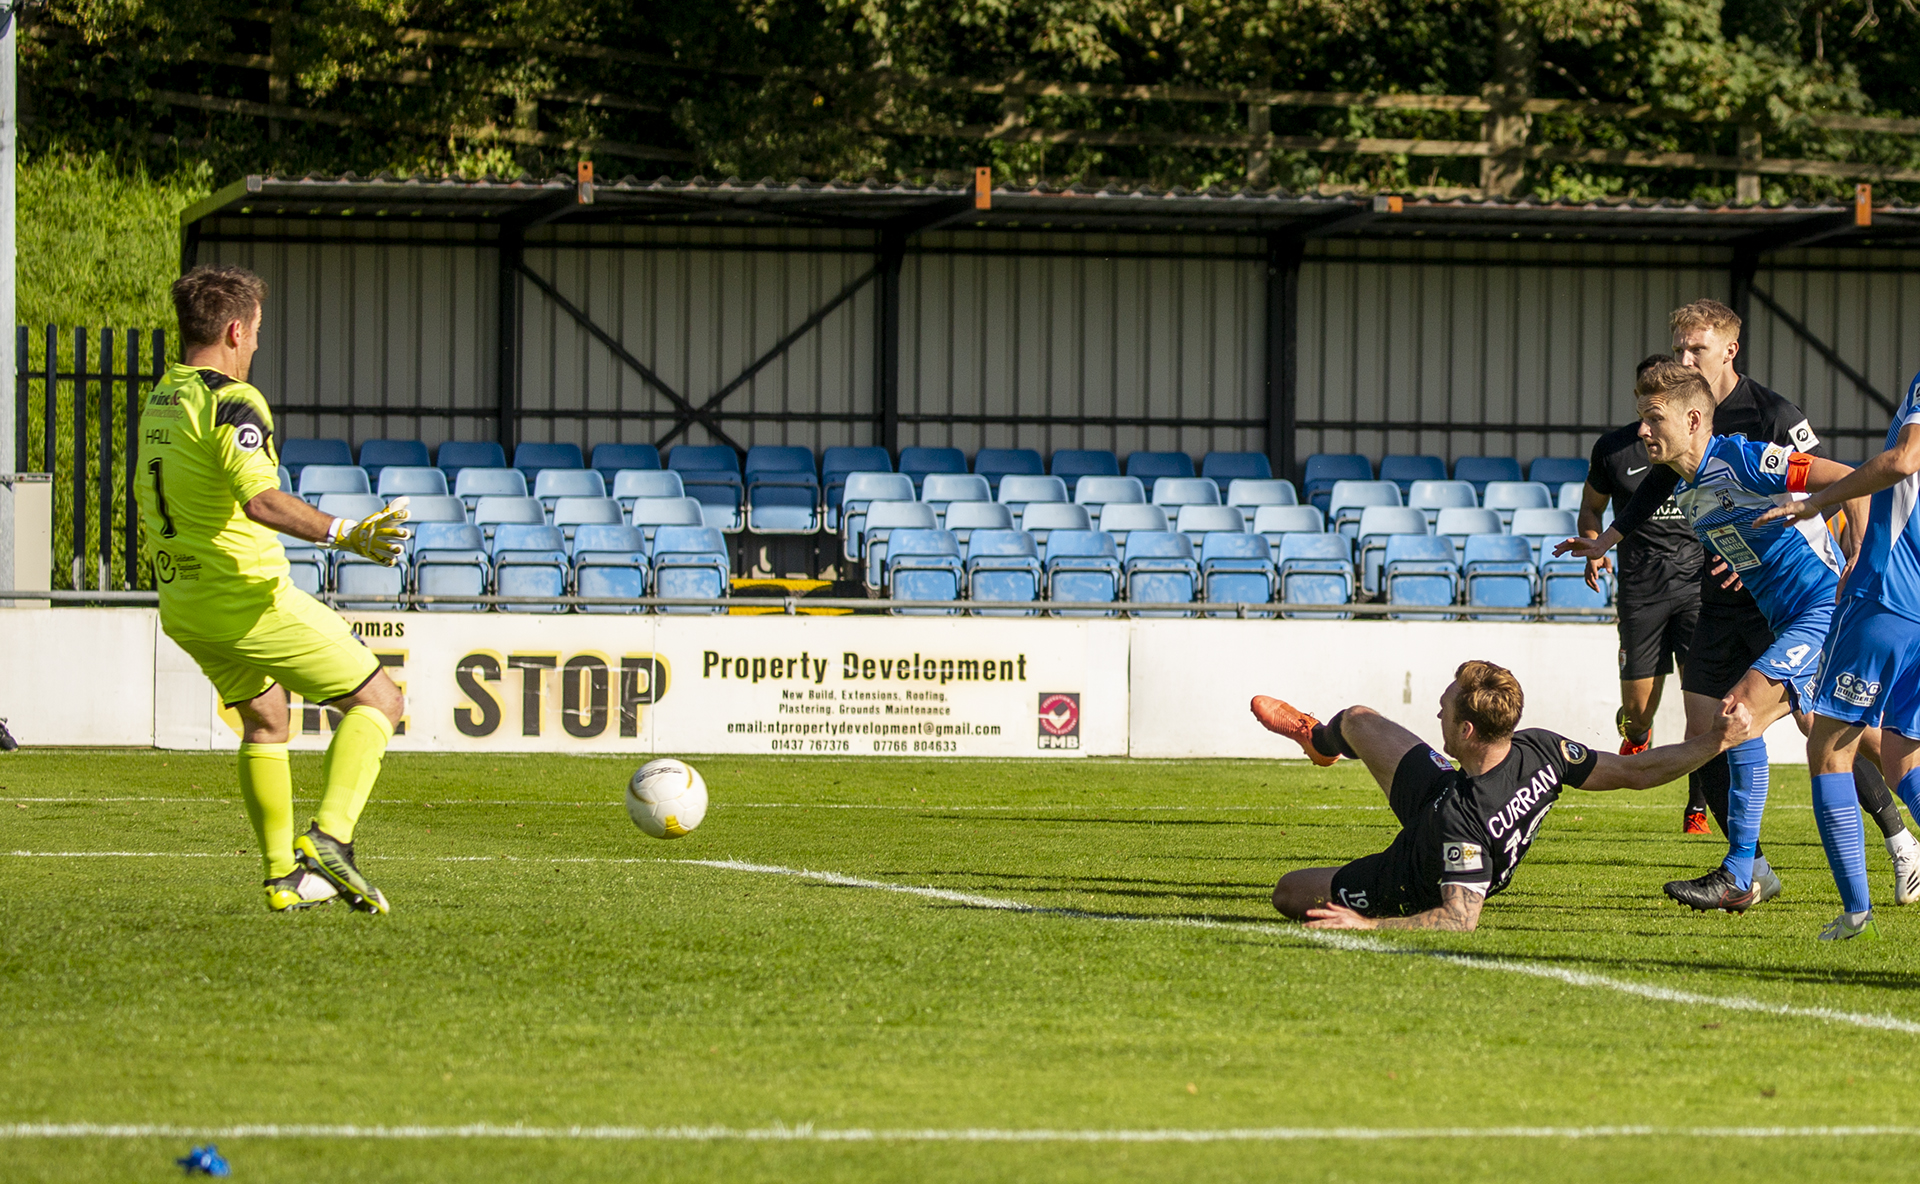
[(1419, 570), (1459, 523), (349, 505), (495, 512), (1121, 519), (783, 492), (882, 519), (1403, 470), (1563, 584), (1226, 467), (1480, 470), (649, 514), (1184, 491), (1507, 496), (963, 518), (1499, 572), (1043, 518), (1082, 567), (711, 475), (610, 561), (1195, 521), (450, 559), (1160, 569), (431, 508), (995, 463), (1271, 522), (1003, 567), (1071, 464), (1249, 494), (836, 463), (1315, 569), (1555, 471), (1236, 568), (306, 565), (941, 490), (410, 481), (1570, 496), (924, 565), (296, 454), (1018, 490), (1435, 496), (860, 490), (529, 560), (536, 458), (454, 456), (378, 455), (613, 459), (316, 480), (1348, 500), (630, 485), (550, 485), (1549, 526), (286, 480), (473, 483), (1324, 469), (916, 463), (1151, 467), (355, 577), (1096, 491), (572, 513), (690, 561), (1377, 525)]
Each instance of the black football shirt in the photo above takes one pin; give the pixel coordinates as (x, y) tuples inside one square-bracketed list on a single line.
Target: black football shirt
[(1660, 561), (1478, 828), (1753, 411)]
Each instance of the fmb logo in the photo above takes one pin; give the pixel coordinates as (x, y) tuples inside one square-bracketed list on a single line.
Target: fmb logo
[(1059, 720)]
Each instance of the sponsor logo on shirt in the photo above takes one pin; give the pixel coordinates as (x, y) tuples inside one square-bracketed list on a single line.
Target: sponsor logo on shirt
[(1851, 688), (1636, 472), (1463, 857), (1802, 436), (1774, 458), (1441, 761), (248, 437), (1575, 753)]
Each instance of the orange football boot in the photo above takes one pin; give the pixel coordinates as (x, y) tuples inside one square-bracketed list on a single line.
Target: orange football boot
[(1629, 746), (1694, 822), (1291, 722)]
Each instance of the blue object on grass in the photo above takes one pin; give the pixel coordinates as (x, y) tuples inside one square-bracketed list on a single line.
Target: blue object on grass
[(205, 1161)]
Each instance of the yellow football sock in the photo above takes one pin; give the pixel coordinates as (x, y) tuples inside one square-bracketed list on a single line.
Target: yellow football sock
[(351, 767), (266, 785)]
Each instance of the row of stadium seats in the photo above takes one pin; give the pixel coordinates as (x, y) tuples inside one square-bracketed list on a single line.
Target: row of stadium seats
[(782, 490), (526, 559)]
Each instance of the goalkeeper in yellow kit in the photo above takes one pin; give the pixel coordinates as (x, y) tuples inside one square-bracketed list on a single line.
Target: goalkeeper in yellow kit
[(210, 505)]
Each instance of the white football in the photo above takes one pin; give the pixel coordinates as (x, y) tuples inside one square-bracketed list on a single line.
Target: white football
[(667, 798)]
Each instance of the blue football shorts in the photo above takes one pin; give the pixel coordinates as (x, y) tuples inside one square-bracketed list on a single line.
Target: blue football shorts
[(1794, 657), (1870, 672)]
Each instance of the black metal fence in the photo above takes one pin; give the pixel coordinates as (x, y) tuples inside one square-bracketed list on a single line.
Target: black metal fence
[(76, 415)]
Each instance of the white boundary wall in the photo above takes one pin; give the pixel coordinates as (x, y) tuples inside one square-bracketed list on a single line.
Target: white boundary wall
[(852, 686)]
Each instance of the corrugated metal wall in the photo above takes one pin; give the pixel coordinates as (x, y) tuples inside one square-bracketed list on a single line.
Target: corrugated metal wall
[(1454, 350)]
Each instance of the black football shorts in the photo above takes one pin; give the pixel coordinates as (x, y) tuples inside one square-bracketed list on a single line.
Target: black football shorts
[(1653, 636), (1386, 884), (1728, 640)]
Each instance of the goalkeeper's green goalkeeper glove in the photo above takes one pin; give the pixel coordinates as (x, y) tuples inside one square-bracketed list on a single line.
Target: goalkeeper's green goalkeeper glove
[(377, 536)]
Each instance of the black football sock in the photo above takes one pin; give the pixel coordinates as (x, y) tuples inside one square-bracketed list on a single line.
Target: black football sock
[(1715, 778), (1696, 800), (1875, 798), (1328, 740)]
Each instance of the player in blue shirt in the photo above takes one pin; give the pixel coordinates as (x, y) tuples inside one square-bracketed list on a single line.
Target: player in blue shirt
[(1870, 671), (1727, 485)]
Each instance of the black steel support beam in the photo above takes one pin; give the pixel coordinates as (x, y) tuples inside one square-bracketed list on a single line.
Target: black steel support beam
[(1820, 347), (189, 247), (1284, 256), (507, 317), (886, 339)]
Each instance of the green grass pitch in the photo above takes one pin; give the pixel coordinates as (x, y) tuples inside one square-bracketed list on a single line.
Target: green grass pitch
[(546, 965)]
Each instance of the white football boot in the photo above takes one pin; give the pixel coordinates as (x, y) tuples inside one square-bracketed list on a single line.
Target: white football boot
[(1905, 850)]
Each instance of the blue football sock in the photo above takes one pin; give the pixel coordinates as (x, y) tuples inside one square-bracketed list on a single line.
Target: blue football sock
[(1909, 792), (1746, 802), (1836, 810)]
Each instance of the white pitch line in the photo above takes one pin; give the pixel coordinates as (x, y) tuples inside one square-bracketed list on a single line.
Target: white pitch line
[(896, 807), (808, 1133), (1343, 941)]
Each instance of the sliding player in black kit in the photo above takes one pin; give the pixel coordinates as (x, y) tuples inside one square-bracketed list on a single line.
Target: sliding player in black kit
[(1658, 603), (1466, 829), (1732, 632)]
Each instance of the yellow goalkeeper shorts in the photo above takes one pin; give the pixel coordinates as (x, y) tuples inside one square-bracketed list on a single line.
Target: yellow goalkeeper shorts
[(298, 642)]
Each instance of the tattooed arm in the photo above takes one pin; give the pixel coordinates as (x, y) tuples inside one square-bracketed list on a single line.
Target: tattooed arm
[(1459, 912)]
